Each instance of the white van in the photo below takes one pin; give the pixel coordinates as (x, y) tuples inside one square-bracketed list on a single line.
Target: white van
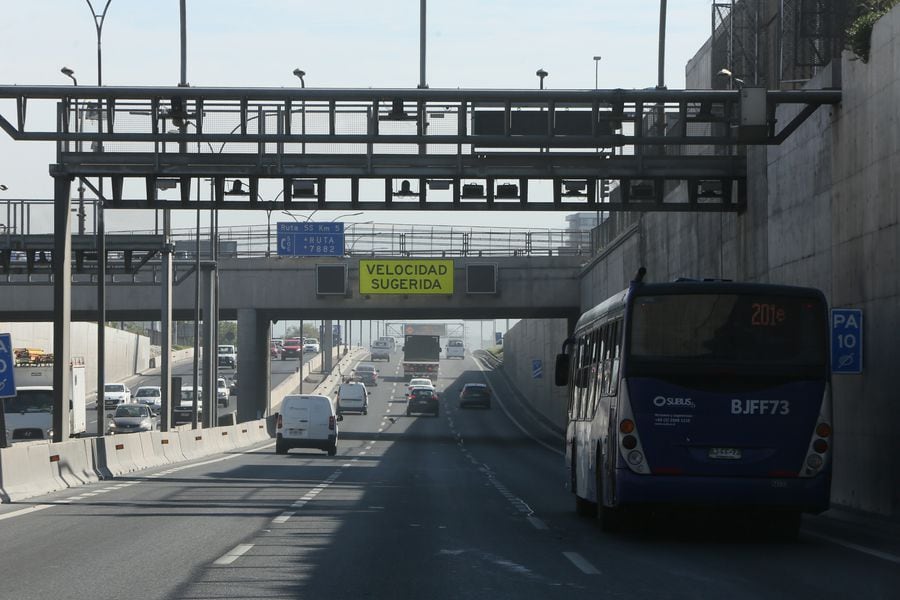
[(456, 349), (353, 397), (306, 421)]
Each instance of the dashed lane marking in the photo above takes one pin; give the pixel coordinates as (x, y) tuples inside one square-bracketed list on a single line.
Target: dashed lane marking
[(581, 563), (537, 523), (233, 554)]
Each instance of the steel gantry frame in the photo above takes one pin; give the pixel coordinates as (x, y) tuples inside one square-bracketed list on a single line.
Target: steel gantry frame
[(484, 147)]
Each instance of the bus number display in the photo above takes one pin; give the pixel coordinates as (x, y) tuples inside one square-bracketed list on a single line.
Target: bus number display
[(766, 315)]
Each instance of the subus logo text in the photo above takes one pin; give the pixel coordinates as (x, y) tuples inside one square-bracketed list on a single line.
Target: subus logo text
[(670, 401), (760, 407)]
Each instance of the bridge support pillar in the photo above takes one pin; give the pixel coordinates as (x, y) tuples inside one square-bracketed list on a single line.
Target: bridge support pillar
[(254, 389), (209, 352), (62, 308), (326, 344)]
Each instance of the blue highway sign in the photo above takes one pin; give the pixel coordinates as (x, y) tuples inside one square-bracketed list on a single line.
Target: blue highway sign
[(7, 361), (537, 369), (310, 239), (846, 340)]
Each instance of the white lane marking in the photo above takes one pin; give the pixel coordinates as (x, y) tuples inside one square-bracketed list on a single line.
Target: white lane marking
[(496, 397), (25, 511), (870, 551), (362, 453), (537, 523), (345, 465), (581, 562), (381, 430), (298, 504), (283, 517), (233, 554), (89, 494)]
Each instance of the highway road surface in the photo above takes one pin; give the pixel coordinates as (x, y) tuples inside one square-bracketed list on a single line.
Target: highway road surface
[(470, 504)]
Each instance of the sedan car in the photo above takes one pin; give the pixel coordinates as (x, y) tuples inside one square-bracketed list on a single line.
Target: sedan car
[(222, 392), (293, 348), (423, 400), (311, 348), (366, 374), (149, 395), (275, 351), (115, 394), (132, 418), (475, 394), (420, 381)]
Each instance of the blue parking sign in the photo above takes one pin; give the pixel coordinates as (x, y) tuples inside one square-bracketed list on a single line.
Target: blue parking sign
[(846, 340), (7, 361)]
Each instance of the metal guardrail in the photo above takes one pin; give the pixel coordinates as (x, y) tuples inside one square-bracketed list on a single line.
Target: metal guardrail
[(487, 357)]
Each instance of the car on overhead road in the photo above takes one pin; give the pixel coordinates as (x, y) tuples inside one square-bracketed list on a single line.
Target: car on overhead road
[(311, 347), (352, 397), (227, 356), (115, 394), (293, 348), (222, 392), (307, 421), (475, 394), (423, 400), (149, 395), (132, 418), (366, 374)]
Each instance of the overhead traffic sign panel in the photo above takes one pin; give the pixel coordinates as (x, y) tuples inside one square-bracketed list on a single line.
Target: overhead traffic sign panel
[(310, 239), (408, 277)]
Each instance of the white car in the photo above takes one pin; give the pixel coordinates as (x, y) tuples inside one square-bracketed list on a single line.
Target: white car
[(353, 397), (420, 381), (222, 392), (311, 348), (150, 396), (115, 394)]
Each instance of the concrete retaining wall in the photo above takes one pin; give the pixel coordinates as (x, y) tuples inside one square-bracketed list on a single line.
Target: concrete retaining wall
[(822, 212), (126, 353), (537, 340)]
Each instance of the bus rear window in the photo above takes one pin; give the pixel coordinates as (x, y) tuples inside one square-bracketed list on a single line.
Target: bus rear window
[(729, 328)]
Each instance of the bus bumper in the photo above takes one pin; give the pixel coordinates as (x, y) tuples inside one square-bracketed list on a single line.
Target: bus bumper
[(806, 494)]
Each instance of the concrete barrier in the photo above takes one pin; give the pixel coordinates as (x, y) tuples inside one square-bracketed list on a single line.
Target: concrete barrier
[(73, 462), (25, 471), (195, 443), (169, 444), (153, 454)]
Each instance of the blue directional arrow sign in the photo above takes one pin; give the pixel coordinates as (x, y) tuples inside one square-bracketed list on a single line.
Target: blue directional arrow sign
[(7, 361), (537, 368), (310, 239)]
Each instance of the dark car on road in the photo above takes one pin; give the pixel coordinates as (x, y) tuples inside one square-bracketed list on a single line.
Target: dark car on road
[(474, 394), (423, 400), (367, 374)]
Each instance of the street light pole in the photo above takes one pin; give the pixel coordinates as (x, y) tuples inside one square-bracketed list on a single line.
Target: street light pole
[(78, 115), (300, 74), (597, 72)]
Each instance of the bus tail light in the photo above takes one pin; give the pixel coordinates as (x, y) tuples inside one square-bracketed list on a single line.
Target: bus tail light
[(819, 449), (629, 446)]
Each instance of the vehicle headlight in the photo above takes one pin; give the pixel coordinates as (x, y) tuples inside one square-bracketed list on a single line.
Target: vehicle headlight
[(145, 424)]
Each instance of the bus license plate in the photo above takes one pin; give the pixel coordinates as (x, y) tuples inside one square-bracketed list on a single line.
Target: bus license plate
[(725, 453)]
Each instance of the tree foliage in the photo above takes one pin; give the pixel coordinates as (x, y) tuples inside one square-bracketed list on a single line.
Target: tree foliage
[(859, 34)]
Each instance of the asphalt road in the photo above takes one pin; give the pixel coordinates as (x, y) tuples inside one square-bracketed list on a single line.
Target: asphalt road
[(279, 371), (465, 505)]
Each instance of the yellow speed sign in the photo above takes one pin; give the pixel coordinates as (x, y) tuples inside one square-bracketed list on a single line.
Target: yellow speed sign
[(406, 276)]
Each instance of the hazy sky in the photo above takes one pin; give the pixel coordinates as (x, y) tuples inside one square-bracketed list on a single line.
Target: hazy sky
[(341, 43)]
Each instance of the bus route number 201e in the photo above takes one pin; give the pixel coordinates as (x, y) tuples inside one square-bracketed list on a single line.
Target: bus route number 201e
[(766, 315)]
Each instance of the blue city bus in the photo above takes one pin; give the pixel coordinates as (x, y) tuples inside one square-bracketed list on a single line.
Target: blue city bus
[(700, 394)]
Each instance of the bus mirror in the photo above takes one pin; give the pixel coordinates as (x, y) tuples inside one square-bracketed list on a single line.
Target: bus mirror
[(561, 376)]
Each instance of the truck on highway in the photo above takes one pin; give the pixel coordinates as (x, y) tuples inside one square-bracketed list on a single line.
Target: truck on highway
[(421, 356), (29, 415)]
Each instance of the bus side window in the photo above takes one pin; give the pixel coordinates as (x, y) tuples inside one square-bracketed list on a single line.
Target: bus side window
[(582, 361), (597, 371), (615, 352), (587, 375), (607, 356)]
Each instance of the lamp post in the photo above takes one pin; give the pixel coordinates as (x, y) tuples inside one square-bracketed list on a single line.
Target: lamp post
[(78, 115), (541, 73), (597, 72), (300, 74)]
